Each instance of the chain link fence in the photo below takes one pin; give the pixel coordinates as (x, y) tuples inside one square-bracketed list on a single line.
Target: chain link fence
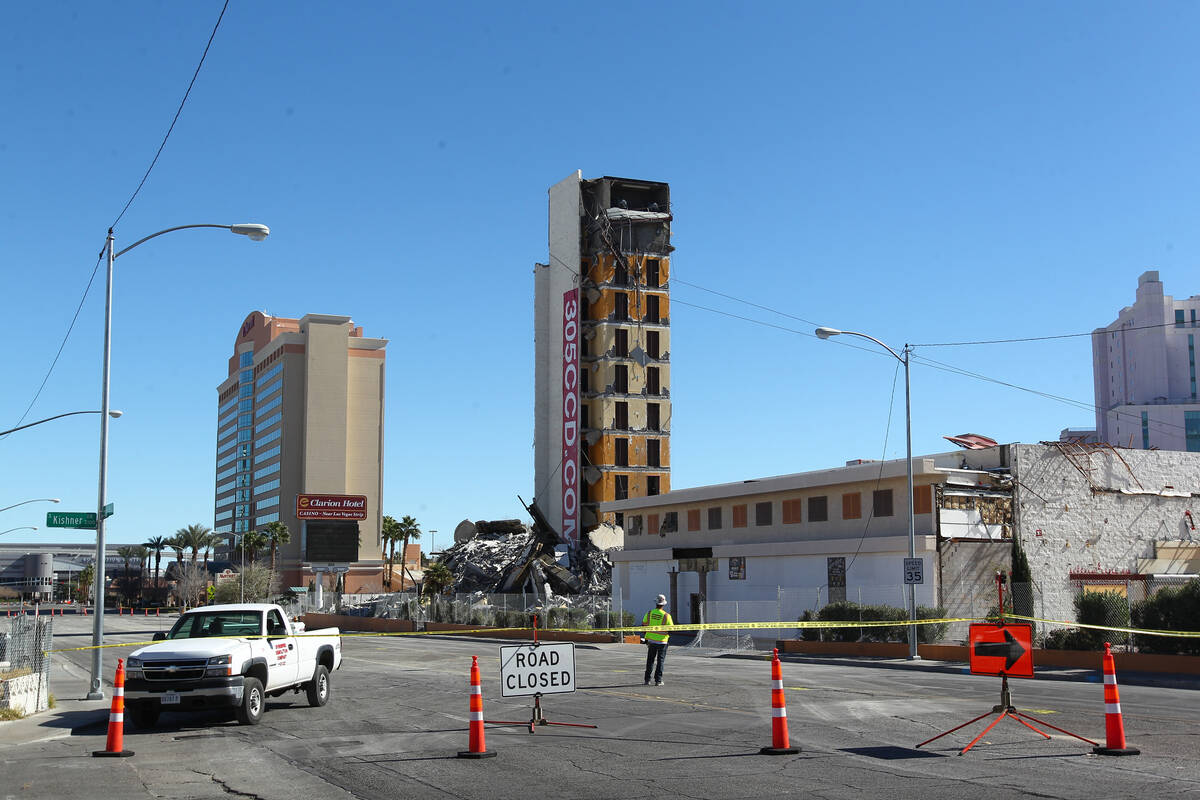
[(25, 663), (485, 610)]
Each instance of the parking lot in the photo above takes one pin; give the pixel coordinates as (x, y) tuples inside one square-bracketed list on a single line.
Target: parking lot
[(399, 717)]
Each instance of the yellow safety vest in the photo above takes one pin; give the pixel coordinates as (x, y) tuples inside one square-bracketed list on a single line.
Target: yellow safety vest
[(657, 617)]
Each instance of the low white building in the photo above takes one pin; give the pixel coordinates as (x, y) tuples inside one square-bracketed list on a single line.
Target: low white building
[(774, 547)]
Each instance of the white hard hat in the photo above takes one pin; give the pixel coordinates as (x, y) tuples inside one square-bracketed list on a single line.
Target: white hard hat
[(661, 600)]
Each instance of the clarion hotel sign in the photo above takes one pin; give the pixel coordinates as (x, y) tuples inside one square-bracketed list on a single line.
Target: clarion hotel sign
[(331, 506)]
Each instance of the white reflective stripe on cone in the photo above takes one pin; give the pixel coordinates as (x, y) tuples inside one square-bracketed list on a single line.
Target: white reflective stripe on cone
[(476, 716), (476, 690), (778, 712), (1112, 708), (776, 684), (116, 716), (1110, 679)]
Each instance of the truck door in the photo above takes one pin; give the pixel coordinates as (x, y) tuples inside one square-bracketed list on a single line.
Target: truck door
[(284, 669)]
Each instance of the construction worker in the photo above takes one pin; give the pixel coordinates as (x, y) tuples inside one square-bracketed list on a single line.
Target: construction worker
[(656, 643)]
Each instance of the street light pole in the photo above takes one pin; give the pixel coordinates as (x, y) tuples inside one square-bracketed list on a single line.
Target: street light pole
[(256, 233), (36, 500), (825, 333), (22, 528), (113, 414)]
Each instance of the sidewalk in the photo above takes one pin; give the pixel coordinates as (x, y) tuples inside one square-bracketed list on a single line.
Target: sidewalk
[(71, 715)]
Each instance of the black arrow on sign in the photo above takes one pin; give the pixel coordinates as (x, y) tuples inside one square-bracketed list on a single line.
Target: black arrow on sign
[(1010, 650)]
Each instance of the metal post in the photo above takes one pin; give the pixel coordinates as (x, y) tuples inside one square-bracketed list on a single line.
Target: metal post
[(97, 691), (912, 523)]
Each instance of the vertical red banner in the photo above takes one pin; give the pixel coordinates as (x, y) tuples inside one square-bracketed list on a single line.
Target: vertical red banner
[(570, 418)]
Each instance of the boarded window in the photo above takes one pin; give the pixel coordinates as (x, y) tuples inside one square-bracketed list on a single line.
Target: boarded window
[(818, 509), (739, 516), (791, 511), (694, 519), (922, 499), (762, 513), (852, 506), (652, 524), (714, 518), (882, 502)]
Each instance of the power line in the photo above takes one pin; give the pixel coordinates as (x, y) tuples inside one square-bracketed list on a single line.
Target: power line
[(178, 111), (1098, 332)]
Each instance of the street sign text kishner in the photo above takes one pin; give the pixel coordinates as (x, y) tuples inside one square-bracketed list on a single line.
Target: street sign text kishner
[(331, 506), (527, 669)]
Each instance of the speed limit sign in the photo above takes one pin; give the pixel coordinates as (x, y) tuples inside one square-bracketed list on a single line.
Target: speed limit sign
[(914, 570)]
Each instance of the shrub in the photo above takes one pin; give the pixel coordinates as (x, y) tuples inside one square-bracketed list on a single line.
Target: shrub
[(853, 612), (1170, 609)]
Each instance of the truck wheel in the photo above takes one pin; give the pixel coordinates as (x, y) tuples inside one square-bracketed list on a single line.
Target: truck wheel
[(318, 687), (144, 715), (254, 702)]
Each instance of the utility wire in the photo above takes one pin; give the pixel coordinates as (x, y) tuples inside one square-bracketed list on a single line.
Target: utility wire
[(1097, 332), (178, 111)]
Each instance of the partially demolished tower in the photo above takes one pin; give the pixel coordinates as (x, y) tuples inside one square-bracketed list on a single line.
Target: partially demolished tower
[(602, 347)]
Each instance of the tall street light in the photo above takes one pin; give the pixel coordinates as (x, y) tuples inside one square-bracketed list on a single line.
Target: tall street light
[(256, 233), (37, 500), (114, 414), (22, 528), (825, 333)]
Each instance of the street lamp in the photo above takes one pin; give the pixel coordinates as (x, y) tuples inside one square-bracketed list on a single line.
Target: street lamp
[(825, 333), (114, 414), (22, 528), (37, 500), (256, 233)]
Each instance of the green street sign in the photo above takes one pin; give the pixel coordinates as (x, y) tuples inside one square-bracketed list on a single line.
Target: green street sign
[(79, 520), (82, 520)]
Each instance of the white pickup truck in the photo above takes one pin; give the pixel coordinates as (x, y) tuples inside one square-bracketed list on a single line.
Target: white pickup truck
[(231, 657)]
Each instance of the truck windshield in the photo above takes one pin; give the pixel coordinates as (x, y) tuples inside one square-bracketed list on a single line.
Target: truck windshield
[(217, 623)]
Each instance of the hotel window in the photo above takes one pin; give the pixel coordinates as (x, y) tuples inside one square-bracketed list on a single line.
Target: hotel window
[(818, 509), (246, 359), (670, 523), (762, 513), (852, 506), (245, 390), (652, 485), (246, 376), (621, 487), (653, 453), (621, 420), (621, 456), (1179, 318), (652, 314), (652, 345), (620, 273), (622, 343), (652, 421), (693, 519), (633, 526), (652, 272), (621, 379), (652, 386), (1191, 428), (1145, 430), (881, 502), (739, 516), (267, 503), (246, 405), (714, 518), (265, 518), (583, 416), (621, 308), (584, 372)]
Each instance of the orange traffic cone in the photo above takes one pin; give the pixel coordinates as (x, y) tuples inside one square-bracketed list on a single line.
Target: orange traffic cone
[(1114, 725), (476, 744), (115, 748), (779, 730)]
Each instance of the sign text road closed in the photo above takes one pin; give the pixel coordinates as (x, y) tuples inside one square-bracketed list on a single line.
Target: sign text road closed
[(527, 669)]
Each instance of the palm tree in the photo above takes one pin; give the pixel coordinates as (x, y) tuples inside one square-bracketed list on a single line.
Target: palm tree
[(128, 553), (279, 534), (176, 543), (143, 555), (156, 545), (252, 542), (390, 534), (195, 538), (409, 529), (437, 578)]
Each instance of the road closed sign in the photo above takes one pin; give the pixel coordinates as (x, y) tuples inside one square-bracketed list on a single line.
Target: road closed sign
[(545, 668)]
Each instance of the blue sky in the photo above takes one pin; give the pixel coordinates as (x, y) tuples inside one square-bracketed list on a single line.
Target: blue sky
[(937, 172)]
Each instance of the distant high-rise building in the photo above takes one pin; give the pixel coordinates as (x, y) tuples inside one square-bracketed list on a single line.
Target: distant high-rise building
[(300, 425), (1144, 366), (602, 415)]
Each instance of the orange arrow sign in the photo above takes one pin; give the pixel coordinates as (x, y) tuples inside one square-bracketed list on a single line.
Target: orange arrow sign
[(1002, 650)]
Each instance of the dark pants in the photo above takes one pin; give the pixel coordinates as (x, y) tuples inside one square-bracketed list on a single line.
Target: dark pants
[(655, 652)]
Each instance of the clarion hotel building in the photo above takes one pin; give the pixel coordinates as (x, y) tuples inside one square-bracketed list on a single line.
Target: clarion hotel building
[(300, 441)]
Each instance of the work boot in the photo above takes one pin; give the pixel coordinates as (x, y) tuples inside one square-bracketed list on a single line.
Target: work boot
[(658, 683)]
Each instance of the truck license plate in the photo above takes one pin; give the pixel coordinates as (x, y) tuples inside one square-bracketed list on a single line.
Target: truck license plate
[(170, 698)]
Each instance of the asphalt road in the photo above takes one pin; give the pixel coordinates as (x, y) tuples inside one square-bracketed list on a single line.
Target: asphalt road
[(398, 718)]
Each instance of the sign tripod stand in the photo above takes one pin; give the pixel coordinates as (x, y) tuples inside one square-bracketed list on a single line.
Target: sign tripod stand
[(537, 718), (1016, 654)]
